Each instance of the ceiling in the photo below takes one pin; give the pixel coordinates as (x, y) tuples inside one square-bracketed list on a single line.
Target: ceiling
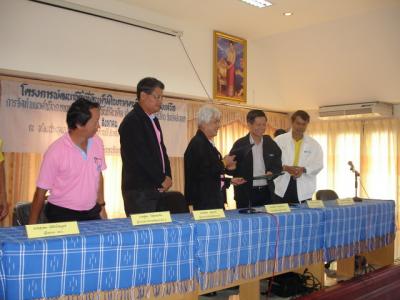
[(238, 18)]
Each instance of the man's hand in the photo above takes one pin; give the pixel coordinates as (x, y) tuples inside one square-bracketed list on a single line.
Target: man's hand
[(298, 171), (290, 169), (238, 180), (229, 162), (37, 205), (166, 184), (103, 213), (294, 171)]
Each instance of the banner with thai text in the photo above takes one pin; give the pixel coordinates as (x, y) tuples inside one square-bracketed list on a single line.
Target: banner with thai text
[(33, 115)]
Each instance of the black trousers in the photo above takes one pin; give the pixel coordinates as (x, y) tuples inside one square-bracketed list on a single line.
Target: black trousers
[(291, 193), (141, 201), (56, 213), (259, 196)]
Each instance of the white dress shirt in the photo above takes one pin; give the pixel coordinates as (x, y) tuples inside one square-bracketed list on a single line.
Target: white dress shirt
[(258, 162)]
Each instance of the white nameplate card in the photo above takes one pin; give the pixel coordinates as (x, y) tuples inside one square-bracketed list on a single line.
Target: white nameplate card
[(277, 208), (51, 229), (208, 214), (151, 218), (315, 204), (345, 201)]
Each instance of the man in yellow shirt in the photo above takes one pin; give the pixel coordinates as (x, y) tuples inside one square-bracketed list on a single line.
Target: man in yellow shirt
[(302, 160), (3, 199)]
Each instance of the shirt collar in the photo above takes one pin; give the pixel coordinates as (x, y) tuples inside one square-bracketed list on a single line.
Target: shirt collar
[(252, 140), (71, 143)]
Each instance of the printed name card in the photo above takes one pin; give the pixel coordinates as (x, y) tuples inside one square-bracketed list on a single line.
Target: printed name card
[(51, 229), (151, 218), (345, 201), (277, 208), (208, 214), (315, 204)]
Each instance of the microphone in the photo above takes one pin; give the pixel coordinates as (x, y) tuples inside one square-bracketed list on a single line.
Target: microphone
[(357, 174), (350, 163)]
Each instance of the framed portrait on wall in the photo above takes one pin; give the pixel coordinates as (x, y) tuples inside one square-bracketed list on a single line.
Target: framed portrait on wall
[(229, 68)]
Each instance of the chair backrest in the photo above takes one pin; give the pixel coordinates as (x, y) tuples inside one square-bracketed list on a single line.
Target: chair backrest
[(174, 202), (326, 195), (21, 214)]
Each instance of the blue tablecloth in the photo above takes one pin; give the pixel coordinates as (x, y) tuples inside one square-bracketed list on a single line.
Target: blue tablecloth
[(171, 258), (362, 227), (243, 246), (107, 255)]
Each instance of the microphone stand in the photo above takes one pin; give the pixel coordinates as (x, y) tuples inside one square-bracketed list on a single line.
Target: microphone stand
[(355, 198), (356, 175), (243, 152), (250, 210)]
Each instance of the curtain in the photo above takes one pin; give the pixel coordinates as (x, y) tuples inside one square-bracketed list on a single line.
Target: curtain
[(340, 142), (380, 160), (372, 146)]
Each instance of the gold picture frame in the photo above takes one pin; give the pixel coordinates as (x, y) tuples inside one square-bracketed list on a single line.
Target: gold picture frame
[(229, 68)]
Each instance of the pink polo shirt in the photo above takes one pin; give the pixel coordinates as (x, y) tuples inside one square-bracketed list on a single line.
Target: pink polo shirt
[(71, 175)]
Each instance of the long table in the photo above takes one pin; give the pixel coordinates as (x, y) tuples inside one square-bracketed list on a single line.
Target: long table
[(106, 256), (187, 258)]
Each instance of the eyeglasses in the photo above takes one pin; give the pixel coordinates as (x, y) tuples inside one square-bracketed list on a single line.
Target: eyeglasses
[(157, 97)]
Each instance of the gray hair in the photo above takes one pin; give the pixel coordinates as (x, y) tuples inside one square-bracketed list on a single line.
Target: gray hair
[(206, 113)]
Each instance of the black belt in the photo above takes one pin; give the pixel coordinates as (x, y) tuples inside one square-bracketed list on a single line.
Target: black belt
[(260, 187)]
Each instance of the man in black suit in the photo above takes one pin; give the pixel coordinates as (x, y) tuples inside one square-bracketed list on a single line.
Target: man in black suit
[(146, 171), (204, 165), (256, 155)]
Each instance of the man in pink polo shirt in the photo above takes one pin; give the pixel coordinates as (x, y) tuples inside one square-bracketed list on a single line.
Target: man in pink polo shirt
[(71, 170)]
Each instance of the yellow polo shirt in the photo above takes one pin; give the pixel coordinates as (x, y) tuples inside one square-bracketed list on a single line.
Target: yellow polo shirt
[(297, 147), (1, 151)]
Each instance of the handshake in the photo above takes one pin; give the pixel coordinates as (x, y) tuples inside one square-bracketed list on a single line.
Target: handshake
[(230, 164)]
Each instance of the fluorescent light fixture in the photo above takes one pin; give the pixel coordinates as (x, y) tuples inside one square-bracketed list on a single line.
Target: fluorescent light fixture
[(258, 3), (287, 14)]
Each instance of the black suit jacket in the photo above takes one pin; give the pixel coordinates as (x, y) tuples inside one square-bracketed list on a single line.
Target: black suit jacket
[(141, 157), (244, 168), (203, 169)]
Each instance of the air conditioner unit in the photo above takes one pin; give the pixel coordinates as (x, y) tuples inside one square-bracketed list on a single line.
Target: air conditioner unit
[(357, 110)]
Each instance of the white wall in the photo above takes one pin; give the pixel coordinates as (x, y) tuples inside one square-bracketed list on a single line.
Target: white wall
[(353, 59), (48, 40)]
